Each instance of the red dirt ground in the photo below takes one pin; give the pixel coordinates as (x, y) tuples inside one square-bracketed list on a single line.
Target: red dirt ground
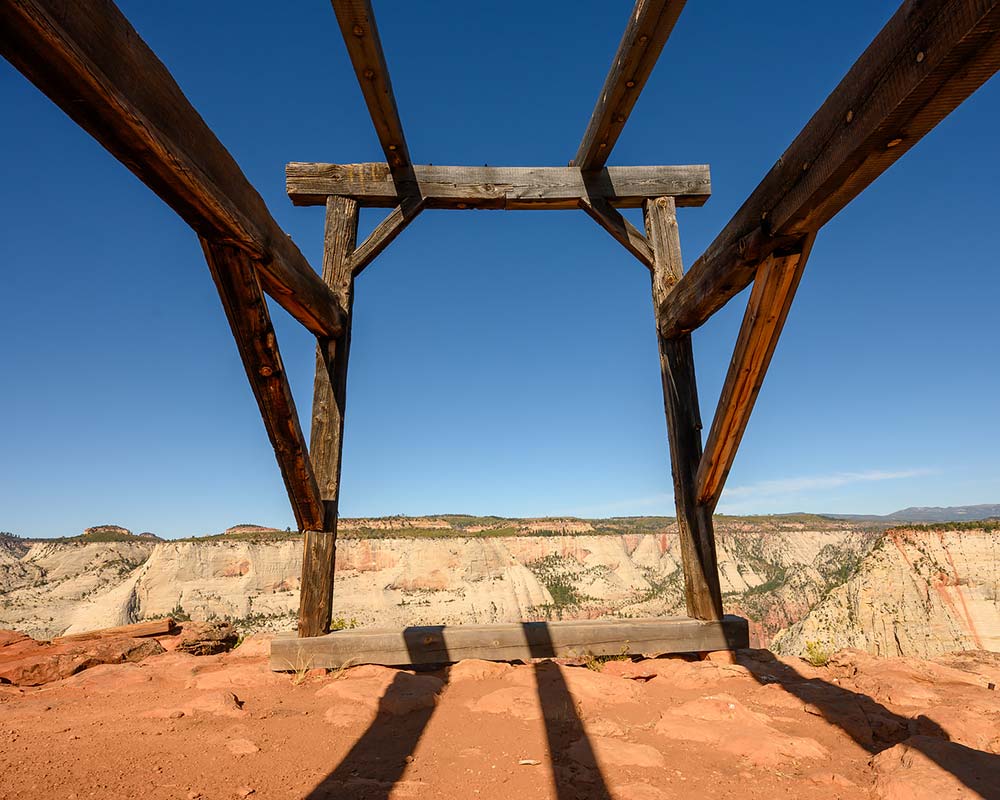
[(181, 726)]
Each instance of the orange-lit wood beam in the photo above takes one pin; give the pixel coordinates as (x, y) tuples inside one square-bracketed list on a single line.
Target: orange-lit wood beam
[(930, 56), (357, 24), (235, 276), (87, 58), (771, 297), (647, 31)]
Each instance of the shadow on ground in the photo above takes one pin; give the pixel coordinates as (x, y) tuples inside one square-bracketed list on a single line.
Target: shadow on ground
[(378, 760)]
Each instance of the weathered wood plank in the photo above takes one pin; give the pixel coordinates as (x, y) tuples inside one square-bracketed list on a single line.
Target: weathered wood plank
[(647, 31), (90, 62), (927, 59), (609, 218), (372, 184), (508, 642), (139, 630), (242, 298), (385, 233), (771, 297), (357, 24), (702, 591), (329, 406)]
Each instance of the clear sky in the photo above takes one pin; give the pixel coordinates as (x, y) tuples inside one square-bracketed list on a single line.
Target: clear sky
[(502, 362)]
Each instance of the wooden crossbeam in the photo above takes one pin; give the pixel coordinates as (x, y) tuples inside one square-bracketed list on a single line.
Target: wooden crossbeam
[(647, 31), (329, 407), (385, 232), (357, 24), (702, 590), (87, 58), (510, 641), (235, 276), (767, 309), (372, 185), (609, 218), (927, 59)]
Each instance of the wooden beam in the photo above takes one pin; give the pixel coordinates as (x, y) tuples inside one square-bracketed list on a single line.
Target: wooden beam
[(647, 31), (87, 58), (138, 630), (357, 24), (372, 185), (242, 298), (927, 59), (512, 641), (773, 291), (702, 591), (609, 218), (385, 232), (329, 406)]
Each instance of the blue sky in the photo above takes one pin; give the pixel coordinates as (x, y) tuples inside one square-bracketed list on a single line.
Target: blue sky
[(502, 362)]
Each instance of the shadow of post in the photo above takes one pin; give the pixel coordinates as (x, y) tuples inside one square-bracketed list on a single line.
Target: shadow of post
[(378, 759), (574, 765), (970, 766)]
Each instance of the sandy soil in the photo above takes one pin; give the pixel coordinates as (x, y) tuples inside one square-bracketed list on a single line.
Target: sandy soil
[(181, 726)]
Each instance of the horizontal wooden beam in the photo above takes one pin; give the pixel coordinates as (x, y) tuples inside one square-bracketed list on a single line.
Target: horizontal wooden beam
[(87, 58), (771, 297), (515, 641), (623, 231), (647, 31), (246, 309), (357, 24), (372, 185), (927, 59)]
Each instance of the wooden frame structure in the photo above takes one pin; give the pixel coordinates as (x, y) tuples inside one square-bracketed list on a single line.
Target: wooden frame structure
[(929, 57)]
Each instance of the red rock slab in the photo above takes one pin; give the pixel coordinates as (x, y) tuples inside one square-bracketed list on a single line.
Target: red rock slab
[(26, 662)]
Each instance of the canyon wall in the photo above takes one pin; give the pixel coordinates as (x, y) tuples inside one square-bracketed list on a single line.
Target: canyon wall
[(822, 587)]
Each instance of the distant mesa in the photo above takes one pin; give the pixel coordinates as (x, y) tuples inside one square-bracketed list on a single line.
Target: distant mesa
[(115, 533), (246, 527), (101, 530)]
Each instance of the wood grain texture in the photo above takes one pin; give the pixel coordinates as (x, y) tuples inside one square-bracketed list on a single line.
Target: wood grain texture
[(523, 641), (702, 591), (90, 61), (385, 233), (623, 231), (357, 24), (372, 184), (139, 630), (242, 298), (329, 407), (930, 56), (647, 31), (771, 297)]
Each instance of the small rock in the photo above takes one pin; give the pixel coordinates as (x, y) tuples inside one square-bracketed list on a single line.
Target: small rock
[(245, 791), (242, 747), (529, 762), (207, 638)]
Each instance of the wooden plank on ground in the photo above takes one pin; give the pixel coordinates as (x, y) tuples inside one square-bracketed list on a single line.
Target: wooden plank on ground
[(767, 309), (516, 641), (91, 62), (647, 31), (357, 24), (327, 436), (930, 56), (139, 630), (702, 591), (242, 298), (372, 184)]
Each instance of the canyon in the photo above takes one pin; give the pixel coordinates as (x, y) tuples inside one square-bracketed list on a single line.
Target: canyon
[(807, 584)]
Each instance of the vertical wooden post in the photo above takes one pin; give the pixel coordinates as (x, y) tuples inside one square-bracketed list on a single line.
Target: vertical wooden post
[(680, 401), (326, 442)]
